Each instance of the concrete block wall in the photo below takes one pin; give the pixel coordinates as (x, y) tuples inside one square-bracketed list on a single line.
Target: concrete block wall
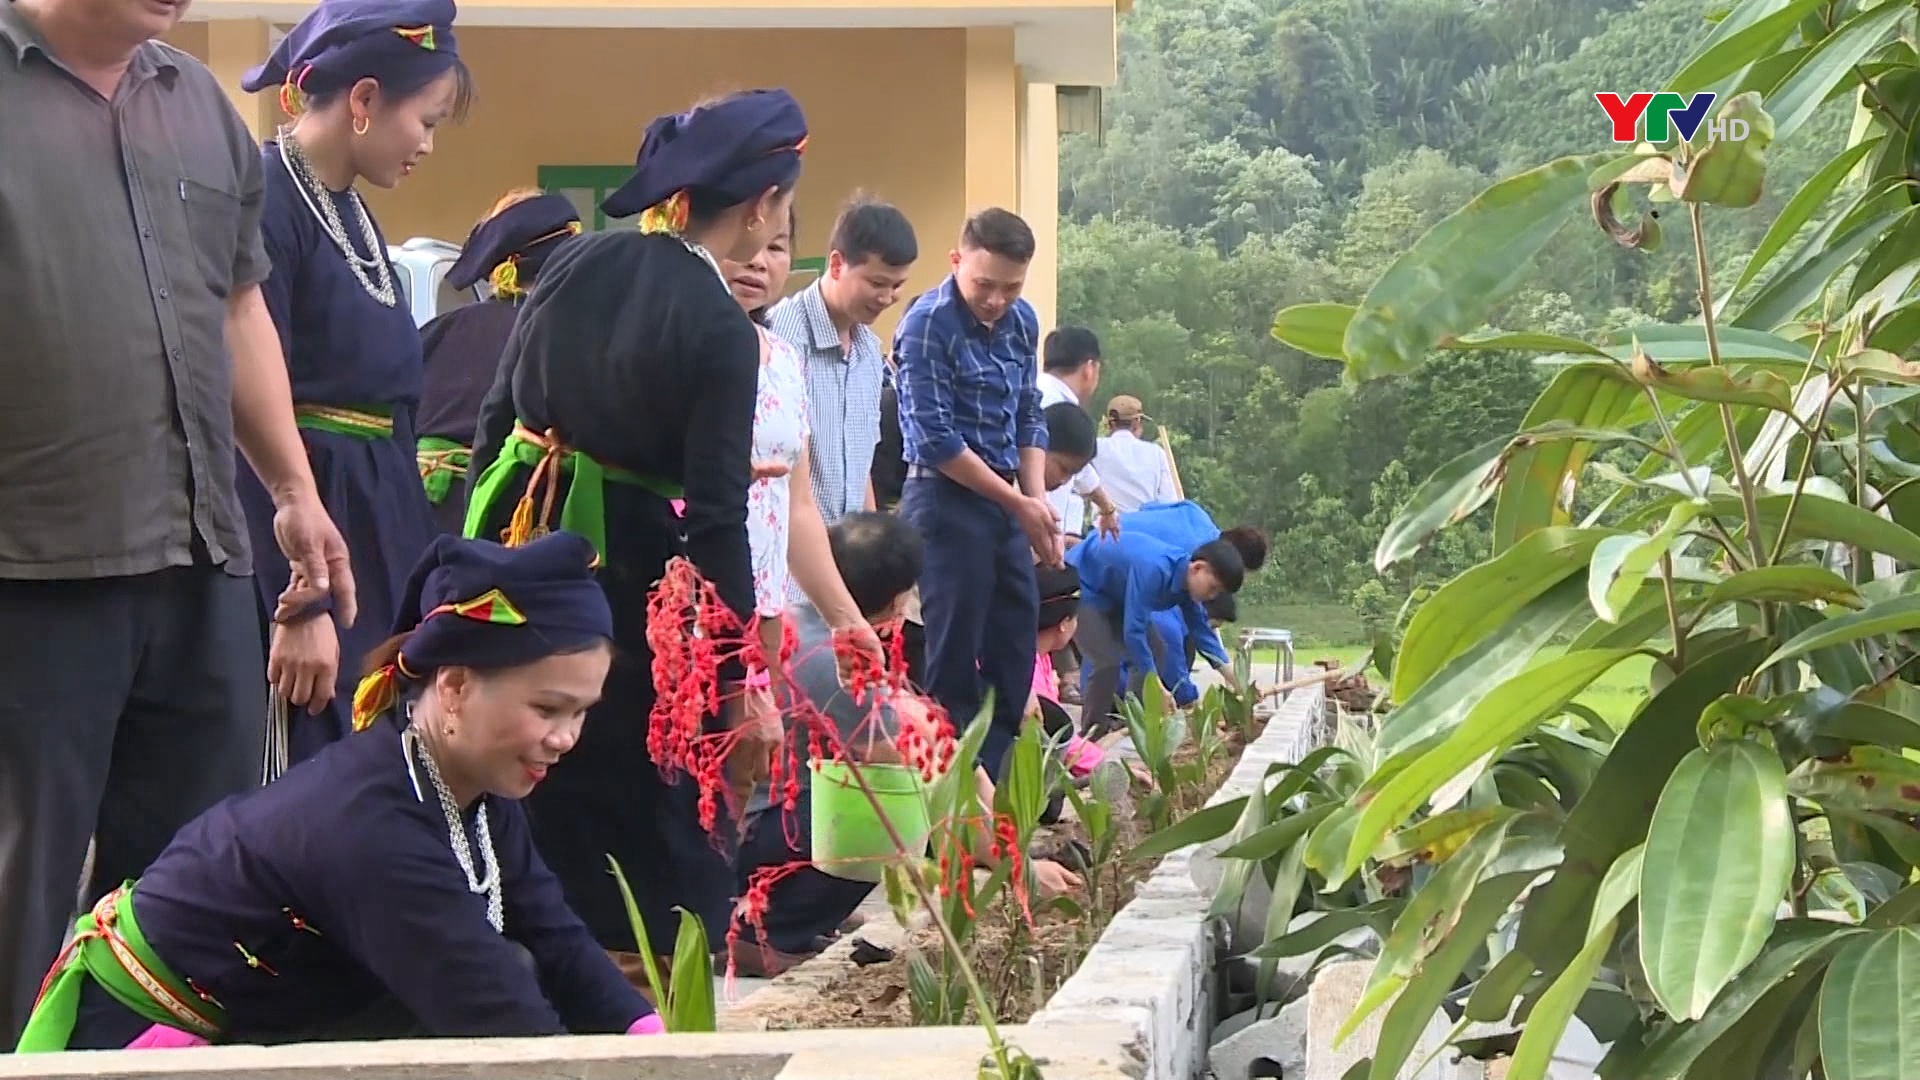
[(1153, 969)]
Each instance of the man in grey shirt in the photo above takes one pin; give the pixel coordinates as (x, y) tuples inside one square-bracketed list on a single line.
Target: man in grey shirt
[(138, 354), (870, 254), (880, 557)]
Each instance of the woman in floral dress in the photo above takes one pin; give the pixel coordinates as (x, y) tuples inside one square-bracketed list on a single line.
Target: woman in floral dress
[(784, 527)]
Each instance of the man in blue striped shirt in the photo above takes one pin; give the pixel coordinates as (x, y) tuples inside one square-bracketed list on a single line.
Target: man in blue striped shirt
[(976, 449), (870, 254)]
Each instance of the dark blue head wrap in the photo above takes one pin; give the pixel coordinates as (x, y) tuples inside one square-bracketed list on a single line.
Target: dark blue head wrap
[(403, 42), (519, 238), (473, 603), (1059, 594), (735, 148)]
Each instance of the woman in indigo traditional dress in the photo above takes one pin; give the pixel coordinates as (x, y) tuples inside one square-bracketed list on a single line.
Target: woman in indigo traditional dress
[(463, 346), (368, 82), (386, 887), (630, 382)]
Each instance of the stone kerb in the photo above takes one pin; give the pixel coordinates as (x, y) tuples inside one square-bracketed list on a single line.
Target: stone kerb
[(1085, 1052), (1153, 969)]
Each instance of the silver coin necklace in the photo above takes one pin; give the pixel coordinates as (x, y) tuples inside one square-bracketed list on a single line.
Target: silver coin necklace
[(483, 880), (372, 271)]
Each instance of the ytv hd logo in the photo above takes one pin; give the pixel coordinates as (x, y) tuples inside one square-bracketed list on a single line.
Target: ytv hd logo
[(1668, 114)]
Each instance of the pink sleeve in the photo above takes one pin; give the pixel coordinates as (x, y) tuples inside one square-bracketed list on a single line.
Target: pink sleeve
[(162, 1037), (650, 1024), (1045, 686)]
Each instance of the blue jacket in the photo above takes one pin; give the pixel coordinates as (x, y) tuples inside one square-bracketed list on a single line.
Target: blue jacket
[(1170, 626), (1186, 526), (1133, 577)]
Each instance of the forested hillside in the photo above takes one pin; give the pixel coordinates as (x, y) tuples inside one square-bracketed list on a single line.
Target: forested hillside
[(1261, 153)]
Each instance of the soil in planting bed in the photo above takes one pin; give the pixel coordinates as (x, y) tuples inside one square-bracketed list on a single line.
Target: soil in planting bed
[(1021, 964)]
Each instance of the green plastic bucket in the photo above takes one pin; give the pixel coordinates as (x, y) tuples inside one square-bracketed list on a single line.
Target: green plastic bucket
[(849, 840)]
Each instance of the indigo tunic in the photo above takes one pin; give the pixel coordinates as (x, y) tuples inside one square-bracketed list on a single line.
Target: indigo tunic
[(633, 350), (329, 905), (345, 351), (462, 351)]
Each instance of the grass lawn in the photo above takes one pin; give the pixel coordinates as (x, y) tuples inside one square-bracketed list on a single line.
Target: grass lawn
[(1323, 632)]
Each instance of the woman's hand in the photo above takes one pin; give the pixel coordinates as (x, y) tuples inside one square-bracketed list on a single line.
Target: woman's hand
[(1053, 879), (303, 661), (857, 643), (759, 735), (770, 470), (318, 556), (1041, 523)]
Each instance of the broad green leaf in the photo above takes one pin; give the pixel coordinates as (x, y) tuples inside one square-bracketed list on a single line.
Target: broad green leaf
[(1461, 613), (1273, 839), (1677, 344), (1800, 209), (1621, 563), (1903, 838), (1841, 668), (1797, 949), (1444, 700), (1831, 62), (649, 958), (1728, 173), (1319, 329), (1493, 996), (1614, 815), (1765, 584), (1799, 285), (1899, 910), (1237, 873), (1547, 1023), (1463, 485), (1330, 926), (1498, 721), (1861, 722), (1210, 823), (1869, 1028), (1750, 31), (1887, 617), (1314, 329), (1865, 778), (1430, 915), (1750, 386), (1439, 837), (690, 997), (1537, 488), (1876, 366), (1519, 341), (1451, 494), (1816, 517), (1720, 854), (1445, 285), (1422, 996)]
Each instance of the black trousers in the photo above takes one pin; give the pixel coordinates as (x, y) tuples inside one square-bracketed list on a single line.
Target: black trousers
[(607, 798), (805, 903), (979, 606), (127, 707)]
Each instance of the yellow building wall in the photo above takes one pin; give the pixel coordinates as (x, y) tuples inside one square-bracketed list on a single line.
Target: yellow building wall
[(930, 120)]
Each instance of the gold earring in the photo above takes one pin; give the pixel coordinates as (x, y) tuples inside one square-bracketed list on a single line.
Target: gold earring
[(361, 125)]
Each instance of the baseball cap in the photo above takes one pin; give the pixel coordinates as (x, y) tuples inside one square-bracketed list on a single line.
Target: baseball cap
[(1125, 407)]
